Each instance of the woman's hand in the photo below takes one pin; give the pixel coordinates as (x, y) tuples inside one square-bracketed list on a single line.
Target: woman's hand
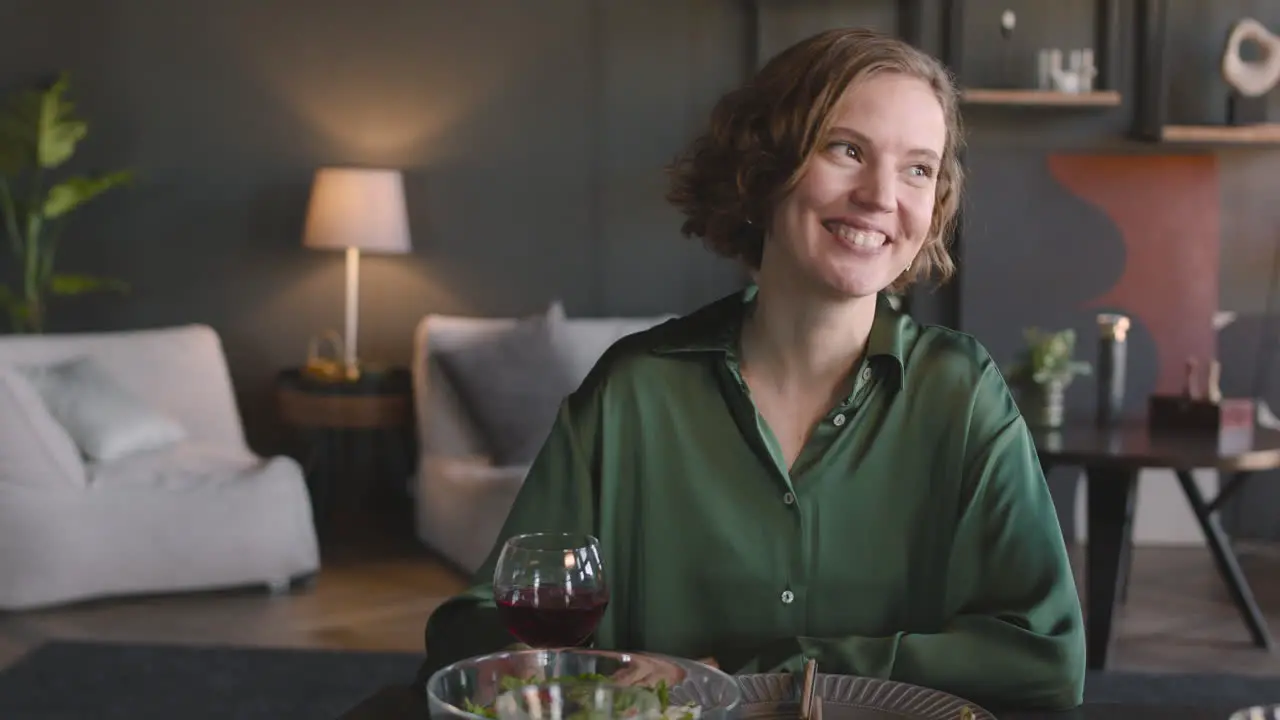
[(646, 672)]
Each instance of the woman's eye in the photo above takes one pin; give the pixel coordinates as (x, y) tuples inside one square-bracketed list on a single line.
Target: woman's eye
[(847, 149), (924, 171)]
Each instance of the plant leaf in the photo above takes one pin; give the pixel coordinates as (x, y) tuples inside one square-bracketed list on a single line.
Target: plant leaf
[(64, 284), (59, 130), (74, 192), (18, 128)]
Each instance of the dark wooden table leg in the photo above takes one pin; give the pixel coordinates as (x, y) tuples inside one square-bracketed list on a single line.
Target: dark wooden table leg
[(1226, 562), (1112, 499), (1126, 566)]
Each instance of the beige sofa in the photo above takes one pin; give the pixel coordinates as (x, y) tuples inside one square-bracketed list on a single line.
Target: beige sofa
[(124, 469), (461, 491)]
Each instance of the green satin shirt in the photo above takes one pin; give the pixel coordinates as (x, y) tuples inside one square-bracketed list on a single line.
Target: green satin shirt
[(914, 539)]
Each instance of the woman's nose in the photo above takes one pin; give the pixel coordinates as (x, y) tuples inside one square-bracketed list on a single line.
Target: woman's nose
[(875, 190)]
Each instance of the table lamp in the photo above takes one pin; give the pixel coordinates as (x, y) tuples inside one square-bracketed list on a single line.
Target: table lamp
[(356, 210)]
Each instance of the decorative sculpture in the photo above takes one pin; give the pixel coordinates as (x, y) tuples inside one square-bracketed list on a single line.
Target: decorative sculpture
[(1075, 78), (1250, 80)]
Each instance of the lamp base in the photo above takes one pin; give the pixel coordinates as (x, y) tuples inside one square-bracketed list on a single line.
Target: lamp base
[(354, 372), (351, 371), (362, 370), (342, 368)]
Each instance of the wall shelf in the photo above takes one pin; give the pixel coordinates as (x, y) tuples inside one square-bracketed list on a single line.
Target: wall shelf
[(1107, 49), (1041, 98), (1152, 121), (1262, 134)]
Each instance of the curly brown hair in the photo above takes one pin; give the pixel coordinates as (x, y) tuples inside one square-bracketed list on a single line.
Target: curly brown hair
[(762, 135)]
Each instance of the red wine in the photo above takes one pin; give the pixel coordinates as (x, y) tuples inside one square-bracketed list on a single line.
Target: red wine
[(550, 616)]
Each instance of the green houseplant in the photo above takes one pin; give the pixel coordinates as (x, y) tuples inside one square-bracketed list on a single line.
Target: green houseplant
[(38, 135), (1045, 368)]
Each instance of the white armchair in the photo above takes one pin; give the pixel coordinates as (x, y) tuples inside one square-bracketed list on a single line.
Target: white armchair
[(462, 493), (195, 509)]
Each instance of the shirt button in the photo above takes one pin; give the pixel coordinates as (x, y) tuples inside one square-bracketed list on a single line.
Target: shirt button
[(789, 499), (787, 597), (838, 420)]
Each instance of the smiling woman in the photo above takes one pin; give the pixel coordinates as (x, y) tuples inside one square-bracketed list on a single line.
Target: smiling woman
[(800, 471), (812, 102)]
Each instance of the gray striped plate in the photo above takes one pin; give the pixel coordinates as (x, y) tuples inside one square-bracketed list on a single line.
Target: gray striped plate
[(766, 697)]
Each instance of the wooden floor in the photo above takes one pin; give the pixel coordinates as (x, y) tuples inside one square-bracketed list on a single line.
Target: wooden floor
[(1178, 617)]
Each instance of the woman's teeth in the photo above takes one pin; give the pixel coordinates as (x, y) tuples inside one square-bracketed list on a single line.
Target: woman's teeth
[(860, 238)]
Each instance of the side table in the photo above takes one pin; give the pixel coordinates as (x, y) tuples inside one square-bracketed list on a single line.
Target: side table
[(1111, 459), (356, 443)]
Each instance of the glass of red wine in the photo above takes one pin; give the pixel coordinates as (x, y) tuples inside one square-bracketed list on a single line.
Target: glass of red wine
[(550, 588)]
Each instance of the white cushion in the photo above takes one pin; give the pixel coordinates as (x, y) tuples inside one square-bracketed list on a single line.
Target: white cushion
[(34, 449), (180, 371), (106, 421)]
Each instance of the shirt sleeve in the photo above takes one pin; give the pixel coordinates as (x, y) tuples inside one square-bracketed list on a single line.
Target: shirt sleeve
[(1014, 634), (557, 496)]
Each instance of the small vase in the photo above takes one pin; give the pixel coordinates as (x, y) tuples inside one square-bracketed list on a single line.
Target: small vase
[(1042, 404)]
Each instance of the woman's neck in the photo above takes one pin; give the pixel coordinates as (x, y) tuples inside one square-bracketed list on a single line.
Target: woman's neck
[(801, 341)]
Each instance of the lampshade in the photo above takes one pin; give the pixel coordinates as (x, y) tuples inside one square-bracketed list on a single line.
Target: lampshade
[(358, 208)]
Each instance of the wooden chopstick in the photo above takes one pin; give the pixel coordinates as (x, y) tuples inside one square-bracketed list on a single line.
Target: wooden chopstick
[(806, 691)]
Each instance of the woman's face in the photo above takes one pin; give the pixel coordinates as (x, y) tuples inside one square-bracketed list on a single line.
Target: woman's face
[(863, 206)]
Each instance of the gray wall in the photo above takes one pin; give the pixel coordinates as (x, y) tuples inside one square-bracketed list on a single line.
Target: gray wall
[(533, 135)]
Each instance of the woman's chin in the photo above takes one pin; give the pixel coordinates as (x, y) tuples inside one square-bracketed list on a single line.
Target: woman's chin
[(853, 283)]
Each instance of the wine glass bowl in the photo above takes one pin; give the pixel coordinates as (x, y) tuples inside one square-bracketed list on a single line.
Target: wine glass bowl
[(550, 588)]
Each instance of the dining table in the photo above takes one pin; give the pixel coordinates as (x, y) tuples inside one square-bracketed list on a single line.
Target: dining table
[(404, 702)]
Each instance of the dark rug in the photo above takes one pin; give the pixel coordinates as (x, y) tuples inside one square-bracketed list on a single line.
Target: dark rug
[(75, 680), (101, 681)]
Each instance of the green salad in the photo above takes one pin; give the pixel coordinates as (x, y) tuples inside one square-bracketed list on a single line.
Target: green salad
[(578, 704)]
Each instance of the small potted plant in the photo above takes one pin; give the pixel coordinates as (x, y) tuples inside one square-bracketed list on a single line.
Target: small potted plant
[(1046, 367)]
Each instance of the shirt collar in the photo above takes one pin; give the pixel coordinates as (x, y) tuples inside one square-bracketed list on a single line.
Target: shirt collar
[(714, 328)]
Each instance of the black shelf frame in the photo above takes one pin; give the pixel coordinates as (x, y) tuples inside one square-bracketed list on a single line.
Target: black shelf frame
[(1152, 111), (1106, 43)]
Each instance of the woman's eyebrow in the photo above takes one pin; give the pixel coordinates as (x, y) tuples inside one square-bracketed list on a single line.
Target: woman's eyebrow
[(850, 133)]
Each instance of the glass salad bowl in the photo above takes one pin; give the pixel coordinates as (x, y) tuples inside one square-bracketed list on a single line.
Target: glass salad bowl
[(686, 690)]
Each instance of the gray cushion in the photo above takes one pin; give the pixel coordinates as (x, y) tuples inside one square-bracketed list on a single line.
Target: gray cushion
[(512, 385), (106, 421)]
